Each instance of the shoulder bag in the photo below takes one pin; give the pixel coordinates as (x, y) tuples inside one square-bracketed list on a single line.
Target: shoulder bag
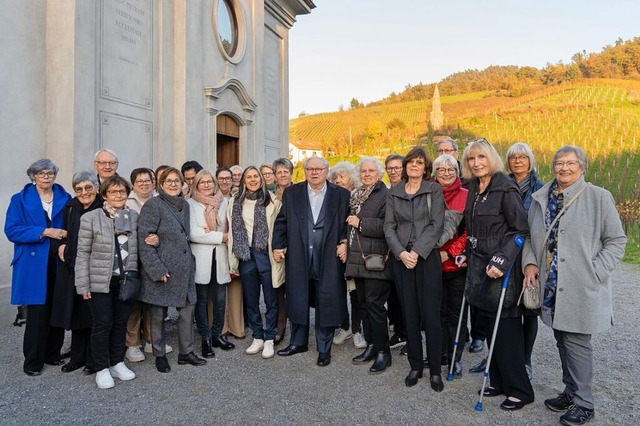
[(129, 280), (372, 262)]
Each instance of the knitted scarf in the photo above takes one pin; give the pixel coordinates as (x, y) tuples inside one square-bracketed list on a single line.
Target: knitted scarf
[(211, 206), (551, 283), (451, 191), (260, 236), (121, 218)]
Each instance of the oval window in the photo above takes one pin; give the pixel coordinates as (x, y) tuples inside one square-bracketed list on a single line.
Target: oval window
[(227, 27)]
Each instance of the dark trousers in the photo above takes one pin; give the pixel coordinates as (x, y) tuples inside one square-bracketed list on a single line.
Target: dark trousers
[(506, 371), (395, 312), (356, 314), (530, 330), (110, 316), (372, 295), (282, 311), (255, 275), (477, 326), (42, 342), (452, 293), (300, 332), (420, 294), (81, 346), (218, 295)]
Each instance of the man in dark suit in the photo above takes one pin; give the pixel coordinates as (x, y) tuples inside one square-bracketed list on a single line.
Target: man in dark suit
[(310, 233)]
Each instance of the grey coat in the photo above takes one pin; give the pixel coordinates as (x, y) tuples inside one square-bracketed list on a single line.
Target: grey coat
[(591, 243), (168, 217), (95, 256), (410, 217)]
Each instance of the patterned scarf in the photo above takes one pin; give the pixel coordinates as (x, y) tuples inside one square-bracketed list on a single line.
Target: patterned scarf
[(211, 207), (121, 218), (524, 185), (260, 228), (359, 196), (553, 207)]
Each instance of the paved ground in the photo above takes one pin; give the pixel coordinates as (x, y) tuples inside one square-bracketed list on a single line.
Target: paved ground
[(238, 389)]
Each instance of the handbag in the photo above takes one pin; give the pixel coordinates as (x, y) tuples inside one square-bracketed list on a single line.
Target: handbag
[(129, 280), (484, 292), (372, 262)]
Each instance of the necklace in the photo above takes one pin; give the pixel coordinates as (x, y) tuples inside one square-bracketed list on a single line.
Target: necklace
[(49, 201)]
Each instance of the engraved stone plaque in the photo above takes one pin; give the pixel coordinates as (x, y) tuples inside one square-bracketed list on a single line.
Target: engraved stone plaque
[(126, 52), (129, 137)]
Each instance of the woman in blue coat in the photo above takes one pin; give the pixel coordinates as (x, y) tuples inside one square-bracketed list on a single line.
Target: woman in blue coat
[(34, 226)]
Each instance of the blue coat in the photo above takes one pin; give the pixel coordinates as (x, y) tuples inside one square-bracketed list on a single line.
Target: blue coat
[(24, 224)]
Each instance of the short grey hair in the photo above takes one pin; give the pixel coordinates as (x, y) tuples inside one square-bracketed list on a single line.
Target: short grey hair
[(83, 176), (95, 157), (522, 148), (236, 166), (568, 149), (454, 144), (373, 160), (345, 167), (40, 165), (283, 162), (446, 160), (392, 157), (325, 163)]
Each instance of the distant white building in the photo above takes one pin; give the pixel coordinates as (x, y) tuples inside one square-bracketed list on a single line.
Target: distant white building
[(301, 150)]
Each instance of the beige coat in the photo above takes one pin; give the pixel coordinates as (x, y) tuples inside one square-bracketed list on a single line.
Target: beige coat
[(591, 243), (277, 269)]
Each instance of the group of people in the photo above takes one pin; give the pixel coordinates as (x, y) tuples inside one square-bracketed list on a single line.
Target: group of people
[(211, 243)]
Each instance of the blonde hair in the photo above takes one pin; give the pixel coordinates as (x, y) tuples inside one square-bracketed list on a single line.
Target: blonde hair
[(484, 147)]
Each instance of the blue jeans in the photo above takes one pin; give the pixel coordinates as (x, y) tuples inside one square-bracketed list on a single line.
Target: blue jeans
[(256, 273), (218, 294)]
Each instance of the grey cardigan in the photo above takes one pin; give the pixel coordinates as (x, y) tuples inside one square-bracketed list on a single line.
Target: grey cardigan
[(591, 243), (96, 251), (408, 217)]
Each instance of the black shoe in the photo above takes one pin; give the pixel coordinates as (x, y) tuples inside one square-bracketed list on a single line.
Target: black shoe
[(412, 378), (191, 358), (71, 366), (490, 392), (207, 349), (55, 362), (364, 357), (576, 415), (33, 372), (383, 360), (479, 368), (436, 382), (444, 359), (278, 340), (324, 359), (88, 370), (396, 341), (162, 364), (560, 403), (404, 350), (457, 370), (222, 343), (477, 345), (510, 405), (292, 350)]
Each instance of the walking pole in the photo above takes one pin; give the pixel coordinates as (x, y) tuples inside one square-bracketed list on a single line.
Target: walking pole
[(505, 283), (455, 342)]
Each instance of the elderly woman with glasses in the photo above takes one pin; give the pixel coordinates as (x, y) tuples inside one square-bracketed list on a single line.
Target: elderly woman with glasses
[(107, 239), (70, 310), (576, 242), (495, 217), (34, 226), (168, 268)]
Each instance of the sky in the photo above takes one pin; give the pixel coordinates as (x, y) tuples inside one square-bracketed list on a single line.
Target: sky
[(366, 49)]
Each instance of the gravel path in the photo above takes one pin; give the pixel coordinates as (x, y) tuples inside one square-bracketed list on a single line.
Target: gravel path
[(238, 389)]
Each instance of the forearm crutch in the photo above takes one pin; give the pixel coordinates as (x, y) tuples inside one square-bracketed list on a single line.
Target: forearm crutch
[(455, 342)]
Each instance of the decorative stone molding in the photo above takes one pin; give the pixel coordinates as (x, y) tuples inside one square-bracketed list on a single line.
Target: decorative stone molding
[(285, 11), (212, 94)]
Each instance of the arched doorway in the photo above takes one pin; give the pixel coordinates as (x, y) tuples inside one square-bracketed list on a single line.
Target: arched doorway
[(227, 141)]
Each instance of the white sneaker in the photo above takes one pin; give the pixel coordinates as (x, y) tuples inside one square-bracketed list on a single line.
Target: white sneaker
[(134, 354), (148, 348), (256, 346), (267, 350), (341, 335), (122, 372), (104, 379), (358, 341)]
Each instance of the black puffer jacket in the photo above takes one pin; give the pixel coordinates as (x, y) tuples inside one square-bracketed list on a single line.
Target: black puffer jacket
[(371, 237), (494, 218)]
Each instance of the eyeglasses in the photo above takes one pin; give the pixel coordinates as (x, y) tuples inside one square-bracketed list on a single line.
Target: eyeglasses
[(114, 192), (107, 163), (443, 171), (224, 179), (267, 174), (87, 188), (518, 158), (570, 164), (394, 169), (172, 182), (315, 169), (205, 182), (44, 175), (143, 182), (446, 151)]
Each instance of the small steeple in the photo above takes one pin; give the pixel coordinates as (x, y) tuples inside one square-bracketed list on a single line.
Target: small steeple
[(436, 117)]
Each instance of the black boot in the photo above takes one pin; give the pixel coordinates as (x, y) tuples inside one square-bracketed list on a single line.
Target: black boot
[(383, 360), (207, 349), (365, 356)]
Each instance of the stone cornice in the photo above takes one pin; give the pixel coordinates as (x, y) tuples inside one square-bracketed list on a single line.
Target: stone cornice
[(285, 11), (214, 93)]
